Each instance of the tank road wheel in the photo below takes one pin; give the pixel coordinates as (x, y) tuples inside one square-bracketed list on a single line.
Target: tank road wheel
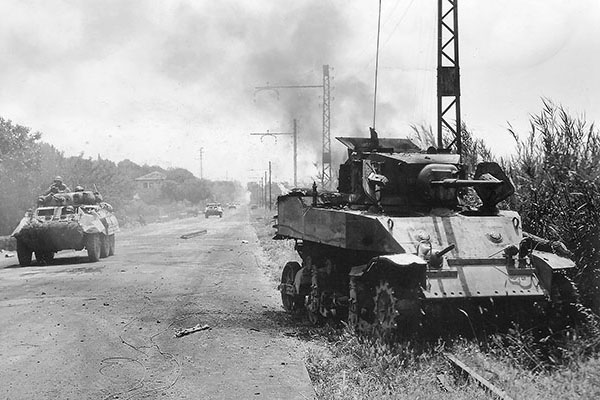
[(385, 323), (291, 302), (313, 303), (354, 305), (24, 254), (111, 242), (104, 246), (93, 246)]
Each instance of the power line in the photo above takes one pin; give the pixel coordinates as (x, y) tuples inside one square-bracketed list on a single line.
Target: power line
[(294, 133), (326, 138)]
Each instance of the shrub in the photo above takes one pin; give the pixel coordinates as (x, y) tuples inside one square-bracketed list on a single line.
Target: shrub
[(555, 172)]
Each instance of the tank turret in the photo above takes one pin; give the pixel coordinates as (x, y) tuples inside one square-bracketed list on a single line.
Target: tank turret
[(399, 179)]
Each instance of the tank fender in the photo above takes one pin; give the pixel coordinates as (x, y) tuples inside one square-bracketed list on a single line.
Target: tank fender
[(404, 260), (91, 223), (546, 264), (396, 261)]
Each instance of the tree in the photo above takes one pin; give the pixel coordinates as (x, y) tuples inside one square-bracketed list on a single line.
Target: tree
[(19, 167), (179, 175)]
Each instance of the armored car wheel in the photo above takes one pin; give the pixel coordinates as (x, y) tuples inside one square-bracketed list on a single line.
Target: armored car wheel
[(44, 257), (104, 246), (93, 247), (291, 301), (24, 254), (111, 241)]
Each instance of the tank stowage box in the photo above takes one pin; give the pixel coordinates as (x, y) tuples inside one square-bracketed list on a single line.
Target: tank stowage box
[(409, 236), (67, 221)]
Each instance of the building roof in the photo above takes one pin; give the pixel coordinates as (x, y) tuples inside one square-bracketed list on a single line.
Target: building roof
[(152, 176)]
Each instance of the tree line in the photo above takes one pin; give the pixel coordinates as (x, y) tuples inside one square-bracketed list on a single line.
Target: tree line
[(28, 166)]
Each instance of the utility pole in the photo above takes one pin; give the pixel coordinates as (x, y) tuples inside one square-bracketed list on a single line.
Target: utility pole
[(265, 191), (448, 78), (201, 153), (262, 191), (294, 133), (326, 152), (270, 201)]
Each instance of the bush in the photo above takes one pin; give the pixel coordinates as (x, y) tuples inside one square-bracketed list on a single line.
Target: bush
[(557, 193)]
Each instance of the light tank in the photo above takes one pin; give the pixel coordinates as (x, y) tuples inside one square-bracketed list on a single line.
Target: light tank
[(401, 244), (63, 221)]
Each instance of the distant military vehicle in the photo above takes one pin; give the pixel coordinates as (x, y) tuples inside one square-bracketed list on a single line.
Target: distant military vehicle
[(213, 209), (63, 221)]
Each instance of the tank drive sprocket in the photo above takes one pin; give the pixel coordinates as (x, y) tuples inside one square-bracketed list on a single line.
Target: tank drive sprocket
[(385, 324)]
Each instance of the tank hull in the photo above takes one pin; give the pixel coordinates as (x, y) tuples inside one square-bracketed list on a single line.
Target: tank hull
[(355, 260)]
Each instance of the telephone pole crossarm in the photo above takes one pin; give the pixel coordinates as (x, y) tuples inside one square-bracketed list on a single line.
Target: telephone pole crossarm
[(295, 136), (274, 87), (270, 133)]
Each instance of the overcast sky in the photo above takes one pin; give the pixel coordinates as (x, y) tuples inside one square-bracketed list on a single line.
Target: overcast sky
[(153, 81)]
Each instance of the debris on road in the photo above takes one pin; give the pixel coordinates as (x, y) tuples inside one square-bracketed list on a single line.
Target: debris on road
[(193, 234), (244, 242), (187, 331)]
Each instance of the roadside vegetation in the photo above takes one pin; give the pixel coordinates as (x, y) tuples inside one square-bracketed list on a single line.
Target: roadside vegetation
[(557, 190)]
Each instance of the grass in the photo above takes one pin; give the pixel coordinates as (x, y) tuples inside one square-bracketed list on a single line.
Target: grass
[(344, 366)]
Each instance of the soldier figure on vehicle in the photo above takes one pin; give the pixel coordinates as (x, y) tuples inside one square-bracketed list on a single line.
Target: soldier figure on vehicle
[(57, 187)]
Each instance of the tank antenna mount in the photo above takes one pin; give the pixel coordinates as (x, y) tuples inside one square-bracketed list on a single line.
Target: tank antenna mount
[(376, 66)]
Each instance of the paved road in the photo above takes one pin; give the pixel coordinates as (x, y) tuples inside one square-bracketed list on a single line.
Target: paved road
[(105, 330)]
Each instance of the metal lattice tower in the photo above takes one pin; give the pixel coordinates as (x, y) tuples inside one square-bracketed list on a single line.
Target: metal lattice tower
[(326, 171), (448, 78)]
